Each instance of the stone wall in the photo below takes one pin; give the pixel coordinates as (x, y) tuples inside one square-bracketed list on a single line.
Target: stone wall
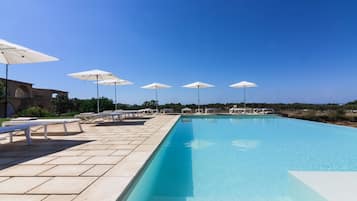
[(22, 95)]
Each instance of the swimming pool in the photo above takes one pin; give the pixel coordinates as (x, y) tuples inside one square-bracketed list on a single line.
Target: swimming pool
[(243, 158)]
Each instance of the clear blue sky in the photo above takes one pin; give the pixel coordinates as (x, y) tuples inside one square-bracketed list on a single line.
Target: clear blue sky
[(296, 51)]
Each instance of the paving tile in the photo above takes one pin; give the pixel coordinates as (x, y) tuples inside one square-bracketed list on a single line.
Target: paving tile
[(95, 147), (20, 185), (139, 156), (104, 189), (125, 169), (104, 160), (121, 152), (137, 142), (68, 153), (25, 170), (60, 198), (77, 148), (69, 160), (153, 140), (97, 170), (63, 185), (146, 147), (22, 197), (120, 142), (123, 146), (97, 153), (66, 170), (39, 161)]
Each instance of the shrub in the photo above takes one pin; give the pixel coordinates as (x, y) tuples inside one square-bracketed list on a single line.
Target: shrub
[(2, 89), (35, 112), (68, 114)]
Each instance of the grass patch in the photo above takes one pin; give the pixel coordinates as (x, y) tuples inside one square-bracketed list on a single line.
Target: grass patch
[(2, 120)]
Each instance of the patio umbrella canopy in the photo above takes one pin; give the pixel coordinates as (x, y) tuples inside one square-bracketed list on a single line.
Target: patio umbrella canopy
[(198, 86), (97, 75), (15, 54), (244, 85), (155, 86), (115, 82)]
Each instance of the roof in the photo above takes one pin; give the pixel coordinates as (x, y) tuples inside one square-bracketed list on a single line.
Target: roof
[(53, 90), (21, 82), (27, 83)]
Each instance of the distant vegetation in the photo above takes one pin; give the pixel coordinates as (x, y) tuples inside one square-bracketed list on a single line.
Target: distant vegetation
[(35, 111), (62, 106)]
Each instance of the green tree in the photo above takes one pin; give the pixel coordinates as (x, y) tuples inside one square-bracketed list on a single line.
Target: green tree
[(106, 104), (149, 104), (88, 105), (34, 111), (2, 89), (61, 104), (175, 106)]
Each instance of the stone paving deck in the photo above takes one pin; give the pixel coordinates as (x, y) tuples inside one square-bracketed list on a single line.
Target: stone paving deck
[(95, 165)]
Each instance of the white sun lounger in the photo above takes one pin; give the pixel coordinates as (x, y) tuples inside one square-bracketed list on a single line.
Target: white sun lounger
[(44, 123), (86, 115), (130, 113), (11, 129), (114, 115), (91, 117)]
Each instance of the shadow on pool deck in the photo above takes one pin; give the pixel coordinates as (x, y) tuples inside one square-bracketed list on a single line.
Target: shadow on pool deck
[(122, 123), (36, 133), (18, 152)]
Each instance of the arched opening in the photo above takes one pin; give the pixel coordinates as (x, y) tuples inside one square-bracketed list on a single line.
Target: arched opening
[(22, 92), (54, 95), (10, 109)]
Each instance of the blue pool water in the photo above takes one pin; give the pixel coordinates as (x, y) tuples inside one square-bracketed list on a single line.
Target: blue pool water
[(235, 158)]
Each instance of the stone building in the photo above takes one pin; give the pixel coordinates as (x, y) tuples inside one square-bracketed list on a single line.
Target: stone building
[(22, 95)]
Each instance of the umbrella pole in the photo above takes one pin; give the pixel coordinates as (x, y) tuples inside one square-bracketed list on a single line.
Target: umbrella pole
[(157, 100), (116, 99), (97, 95), (244, 98), (198, 98), (6, 90)]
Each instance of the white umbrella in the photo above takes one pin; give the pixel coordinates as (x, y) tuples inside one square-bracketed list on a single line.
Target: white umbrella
[(244, 85), (94, 75), (156, 86), (15, 54), (115, 82), (198, 86)]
